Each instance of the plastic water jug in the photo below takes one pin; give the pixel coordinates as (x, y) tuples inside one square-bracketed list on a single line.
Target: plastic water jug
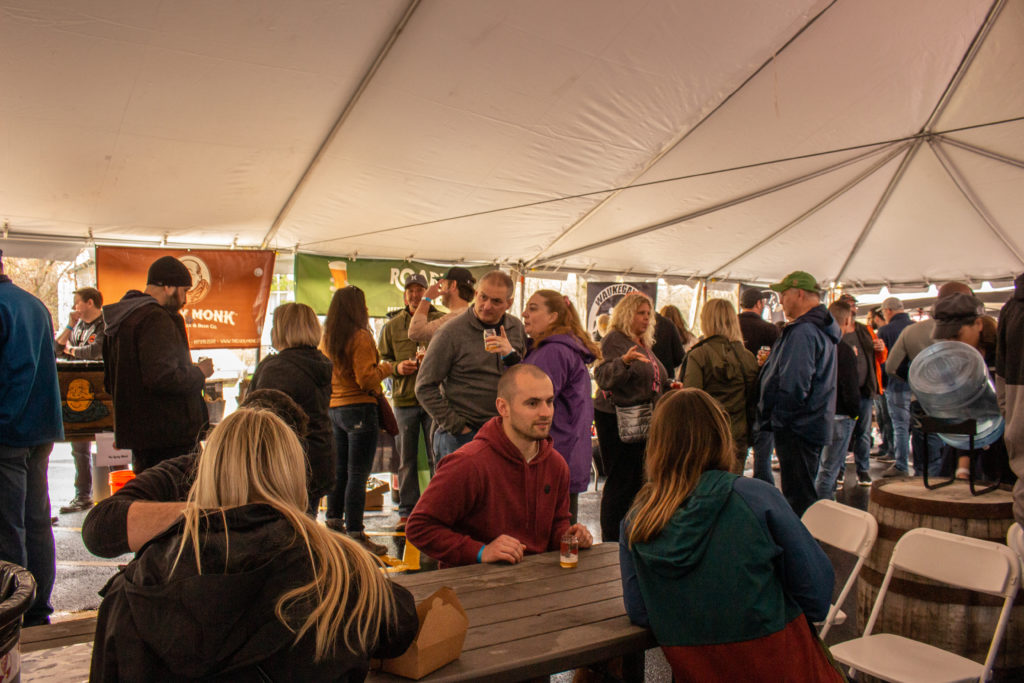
[(951, 381)]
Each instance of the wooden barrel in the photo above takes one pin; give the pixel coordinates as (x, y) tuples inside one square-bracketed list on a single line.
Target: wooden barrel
[(957, 620)]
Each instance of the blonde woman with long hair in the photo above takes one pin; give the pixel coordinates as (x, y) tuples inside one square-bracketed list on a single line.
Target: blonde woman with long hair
[(722, 366), (559, 345), (718, 565), (629, 375), (246, 583)]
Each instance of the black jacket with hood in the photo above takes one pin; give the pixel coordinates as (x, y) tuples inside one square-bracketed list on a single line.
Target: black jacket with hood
[(157, 390), (155, 625), (304, 373)]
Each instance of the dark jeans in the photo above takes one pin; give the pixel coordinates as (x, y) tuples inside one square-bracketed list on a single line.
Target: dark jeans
[(26, 535), (624, 468), (81, 451), (355, 441), (798, 466), (860, 440), (764, 444), (413, 423), (144, 458), (446, 443), (884, 424)]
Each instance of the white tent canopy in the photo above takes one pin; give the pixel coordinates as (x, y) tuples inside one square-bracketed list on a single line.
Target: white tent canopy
[(865, 141)]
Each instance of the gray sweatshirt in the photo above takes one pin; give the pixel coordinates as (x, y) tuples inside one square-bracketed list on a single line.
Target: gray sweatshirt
[(458, 380)]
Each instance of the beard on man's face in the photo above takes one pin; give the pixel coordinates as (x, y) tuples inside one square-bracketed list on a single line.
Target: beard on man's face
[(173, 303)]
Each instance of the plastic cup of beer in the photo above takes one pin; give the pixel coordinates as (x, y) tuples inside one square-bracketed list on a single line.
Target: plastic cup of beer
[(490, 339), (569, 555), (421, 352), (762, 354), (339, 271)]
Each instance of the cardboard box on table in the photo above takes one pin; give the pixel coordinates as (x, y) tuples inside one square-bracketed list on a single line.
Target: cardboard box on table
[(443, 626), (375, 490)]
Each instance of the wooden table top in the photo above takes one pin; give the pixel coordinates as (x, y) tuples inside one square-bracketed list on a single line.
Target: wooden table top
[(534, 618)]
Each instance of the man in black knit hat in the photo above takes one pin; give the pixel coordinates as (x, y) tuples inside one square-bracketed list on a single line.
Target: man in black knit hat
[(159, 412)]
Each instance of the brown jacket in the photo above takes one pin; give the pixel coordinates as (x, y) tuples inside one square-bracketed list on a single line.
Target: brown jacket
[(357, 380)]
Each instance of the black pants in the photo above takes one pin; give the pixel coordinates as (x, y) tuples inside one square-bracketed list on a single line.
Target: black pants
[(624, 468), (144, 458), (798, 465)]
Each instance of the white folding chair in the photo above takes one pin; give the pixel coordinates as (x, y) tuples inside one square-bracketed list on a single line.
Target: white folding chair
[(848, 529), (970, 563), (1015, 539)]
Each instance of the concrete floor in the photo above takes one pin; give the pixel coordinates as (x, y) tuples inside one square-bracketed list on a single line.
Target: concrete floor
[(80, 575)]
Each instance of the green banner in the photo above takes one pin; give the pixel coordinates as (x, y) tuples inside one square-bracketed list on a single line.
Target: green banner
[(317, 277)]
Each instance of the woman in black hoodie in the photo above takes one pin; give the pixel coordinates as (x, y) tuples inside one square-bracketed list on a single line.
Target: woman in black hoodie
[(300, 370)]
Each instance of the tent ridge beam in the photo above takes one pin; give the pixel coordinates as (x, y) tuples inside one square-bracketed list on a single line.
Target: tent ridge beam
[(981, 151), (967, 191), (874, 168), (882, 201), (715, 207), (680, 137), (349, 107)]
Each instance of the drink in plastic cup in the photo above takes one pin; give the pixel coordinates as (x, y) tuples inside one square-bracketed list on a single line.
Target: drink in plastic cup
[(489, 335), (762, 354), (421, 352), (569, 555), (339, 271)]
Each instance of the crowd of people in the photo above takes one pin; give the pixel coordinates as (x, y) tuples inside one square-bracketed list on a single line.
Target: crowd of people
[(224, 522)]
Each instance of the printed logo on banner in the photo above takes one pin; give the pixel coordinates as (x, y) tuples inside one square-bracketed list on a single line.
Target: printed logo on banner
[(602, 297), (200, 273)]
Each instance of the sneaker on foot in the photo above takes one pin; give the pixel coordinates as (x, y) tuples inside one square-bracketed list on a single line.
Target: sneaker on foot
[(77, 504), (362, 539), (335, 524), (894, 471), (863, 479), (886, 459)]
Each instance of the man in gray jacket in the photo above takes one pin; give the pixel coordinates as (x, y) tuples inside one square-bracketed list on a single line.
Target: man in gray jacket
[(458, 379)]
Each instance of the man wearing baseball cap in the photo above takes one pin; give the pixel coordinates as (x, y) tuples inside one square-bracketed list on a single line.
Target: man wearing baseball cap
[(159, 412), (455, 291), (798, 387), (413, 421)]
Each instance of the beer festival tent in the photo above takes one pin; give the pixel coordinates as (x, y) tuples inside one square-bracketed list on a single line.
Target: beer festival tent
[(869, 142)]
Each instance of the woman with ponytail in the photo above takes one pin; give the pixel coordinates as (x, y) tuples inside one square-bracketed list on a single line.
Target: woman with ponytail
[(247, 586)]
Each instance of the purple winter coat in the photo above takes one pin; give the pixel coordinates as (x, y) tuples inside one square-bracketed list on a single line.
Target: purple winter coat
[(564, 358)]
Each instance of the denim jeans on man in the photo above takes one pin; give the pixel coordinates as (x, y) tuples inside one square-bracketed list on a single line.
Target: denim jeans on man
[(764, 443), (884, 425), (413, 423), (355, 441), (860, 440), (81, 451), (445, 443), (798, 468), (26, 534), (938, 453), (897, 398), (833, 457)]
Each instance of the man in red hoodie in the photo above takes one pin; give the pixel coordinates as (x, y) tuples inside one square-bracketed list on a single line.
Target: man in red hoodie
[(504, 494)]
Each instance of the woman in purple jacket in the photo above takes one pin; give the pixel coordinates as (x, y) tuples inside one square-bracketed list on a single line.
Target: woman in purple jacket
[(561, 348)]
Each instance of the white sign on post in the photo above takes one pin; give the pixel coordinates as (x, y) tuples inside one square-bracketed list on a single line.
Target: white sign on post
[(107, 455)]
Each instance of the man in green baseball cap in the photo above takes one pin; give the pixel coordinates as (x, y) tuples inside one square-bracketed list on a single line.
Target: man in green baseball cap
[(798, 387)]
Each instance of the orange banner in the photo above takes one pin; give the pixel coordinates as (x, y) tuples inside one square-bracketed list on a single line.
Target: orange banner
[(227, 302)]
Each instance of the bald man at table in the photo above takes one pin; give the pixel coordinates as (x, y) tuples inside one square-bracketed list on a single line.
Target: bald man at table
[(504, 494)]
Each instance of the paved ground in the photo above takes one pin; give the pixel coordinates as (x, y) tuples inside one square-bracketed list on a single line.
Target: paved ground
[(80, 575)]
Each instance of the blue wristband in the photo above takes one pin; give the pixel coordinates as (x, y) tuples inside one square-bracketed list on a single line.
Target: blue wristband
[(480, 554)]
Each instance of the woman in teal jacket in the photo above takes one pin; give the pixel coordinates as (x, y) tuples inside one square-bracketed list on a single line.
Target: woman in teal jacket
[(718, 565)]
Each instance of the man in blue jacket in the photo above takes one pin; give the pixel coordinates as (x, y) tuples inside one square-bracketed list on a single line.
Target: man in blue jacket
[(798, 387), (30, 421)]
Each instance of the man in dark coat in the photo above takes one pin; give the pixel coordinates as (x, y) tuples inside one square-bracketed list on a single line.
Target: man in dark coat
[(159, 411), (668, 344)]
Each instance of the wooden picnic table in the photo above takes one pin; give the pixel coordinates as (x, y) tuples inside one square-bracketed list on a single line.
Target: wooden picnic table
[(535, 618)]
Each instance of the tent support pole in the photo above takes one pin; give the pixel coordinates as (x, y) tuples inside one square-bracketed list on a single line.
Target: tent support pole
[(282, 215), (995, 156), (972, 198), (680, 137), (715, 207), (814, 209)]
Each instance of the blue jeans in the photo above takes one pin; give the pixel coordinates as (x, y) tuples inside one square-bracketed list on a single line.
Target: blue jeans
[(936, 453), (764, 444), (26, 535), (833, 457), (884, 425), (860, 440), (897, 398), (355, 441), (413, 421), (445, 443)]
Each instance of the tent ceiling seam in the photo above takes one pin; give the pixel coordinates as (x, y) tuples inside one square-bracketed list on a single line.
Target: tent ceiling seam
[(680, 137), (896, 151), (715, 207), (979, 207), (321, 152)]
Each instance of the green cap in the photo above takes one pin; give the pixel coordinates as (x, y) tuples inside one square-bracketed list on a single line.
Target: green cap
[(798, 279)]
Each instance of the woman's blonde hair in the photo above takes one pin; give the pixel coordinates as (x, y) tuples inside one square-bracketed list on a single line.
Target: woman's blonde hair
[(567, 321), (689, 435), (622, 316), (718, 317), (676, 318), (253, 457), (294, 325)]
